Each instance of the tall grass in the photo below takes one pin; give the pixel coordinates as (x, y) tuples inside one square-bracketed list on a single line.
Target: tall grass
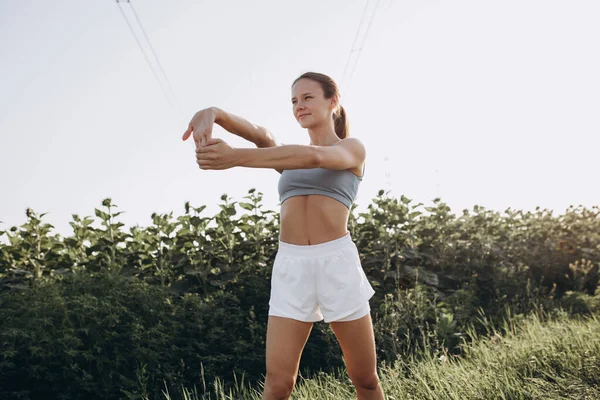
[(536, 357)]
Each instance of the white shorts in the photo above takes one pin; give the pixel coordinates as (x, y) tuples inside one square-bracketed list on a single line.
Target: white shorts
[(323, 281)]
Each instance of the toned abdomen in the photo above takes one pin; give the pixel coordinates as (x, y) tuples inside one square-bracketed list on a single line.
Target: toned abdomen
[(312, 219)]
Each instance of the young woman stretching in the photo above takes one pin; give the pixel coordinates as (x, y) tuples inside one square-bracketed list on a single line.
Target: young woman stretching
[(317, 273)]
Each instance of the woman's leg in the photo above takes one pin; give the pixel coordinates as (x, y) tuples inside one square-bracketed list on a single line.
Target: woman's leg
[(358, 346), (286, 338)]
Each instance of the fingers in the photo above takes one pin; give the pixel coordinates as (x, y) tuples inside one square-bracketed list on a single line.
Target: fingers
[(209, 146), (187, 132), (205, 156), (204, 149), (201, 138), (204, 164)]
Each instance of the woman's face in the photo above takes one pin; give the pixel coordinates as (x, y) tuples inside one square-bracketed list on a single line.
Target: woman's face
[(311, 107)]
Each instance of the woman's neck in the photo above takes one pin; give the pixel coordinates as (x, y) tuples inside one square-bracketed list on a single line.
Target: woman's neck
[(323, 135)]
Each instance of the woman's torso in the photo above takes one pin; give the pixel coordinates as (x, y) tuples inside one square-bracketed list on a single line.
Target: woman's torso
[(313, 219)]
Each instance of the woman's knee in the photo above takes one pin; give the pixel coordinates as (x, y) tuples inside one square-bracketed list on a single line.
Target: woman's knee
[(366, 381), (279, 385)]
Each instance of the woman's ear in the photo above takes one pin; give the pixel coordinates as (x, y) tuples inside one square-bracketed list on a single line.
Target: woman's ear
[(333, 103)]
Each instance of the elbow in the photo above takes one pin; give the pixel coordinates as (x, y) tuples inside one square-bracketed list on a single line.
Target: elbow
[(266, 138)]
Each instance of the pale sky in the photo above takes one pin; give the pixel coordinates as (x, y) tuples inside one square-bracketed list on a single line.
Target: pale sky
[(494, 103)]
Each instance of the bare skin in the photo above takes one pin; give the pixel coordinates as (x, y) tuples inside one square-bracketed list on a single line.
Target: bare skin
[(309, 220), (304, 220)]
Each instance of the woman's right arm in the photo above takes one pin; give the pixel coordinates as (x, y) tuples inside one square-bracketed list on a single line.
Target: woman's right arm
[(202, 123), (256, 134)]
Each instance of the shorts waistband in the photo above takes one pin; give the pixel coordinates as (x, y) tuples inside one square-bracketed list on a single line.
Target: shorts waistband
[(320, 249)]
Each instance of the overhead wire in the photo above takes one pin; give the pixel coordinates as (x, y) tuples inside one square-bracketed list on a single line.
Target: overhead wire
[(144, 52), (359, 50), (352, 48), (154, 53), (345, 84)]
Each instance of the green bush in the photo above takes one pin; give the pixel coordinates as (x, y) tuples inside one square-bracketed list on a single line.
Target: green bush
[(580, 303), (109, 313)]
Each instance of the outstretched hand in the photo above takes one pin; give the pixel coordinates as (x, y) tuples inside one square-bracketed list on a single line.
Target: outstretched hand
[(201, 126), (215, 155)]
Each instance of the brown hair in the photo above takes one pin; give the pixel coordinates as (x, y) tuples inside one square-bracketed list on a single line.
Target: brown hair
[(330, 89)]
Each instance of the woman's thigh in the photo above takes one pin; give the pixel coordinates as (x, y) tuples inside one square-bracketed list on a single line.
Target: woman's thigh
[(286, 338), (357, 341)]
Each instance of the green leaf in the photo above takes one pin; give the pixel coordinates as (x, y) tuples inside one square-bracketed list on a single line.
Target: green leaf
[(101, 214), (247, 206)]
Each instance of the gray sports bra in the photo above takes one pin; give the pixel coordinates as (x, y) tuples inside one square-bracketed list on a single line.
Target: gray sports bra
[(341, 185)]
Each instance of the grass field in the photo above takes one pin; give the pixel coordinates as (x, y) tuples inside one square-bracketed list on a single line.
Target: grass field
[(556, 359)]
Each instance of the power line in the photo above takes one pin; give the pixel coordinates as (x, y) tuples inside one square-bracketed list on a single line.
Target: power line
[(352, 48), (361, 47), (144, 53), (154, 53)]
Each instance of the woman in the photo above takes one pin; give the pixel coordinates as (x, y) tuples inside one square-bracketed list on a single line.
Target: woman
[(317, 272)]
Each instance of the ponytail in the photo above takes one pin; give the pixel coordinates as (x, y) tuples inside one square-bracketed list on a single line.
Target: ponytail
[(340, 121)]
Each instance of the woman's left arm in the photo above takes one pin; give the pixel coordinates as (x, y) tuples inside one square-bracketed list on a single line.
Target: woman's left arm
[(217, 154)]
